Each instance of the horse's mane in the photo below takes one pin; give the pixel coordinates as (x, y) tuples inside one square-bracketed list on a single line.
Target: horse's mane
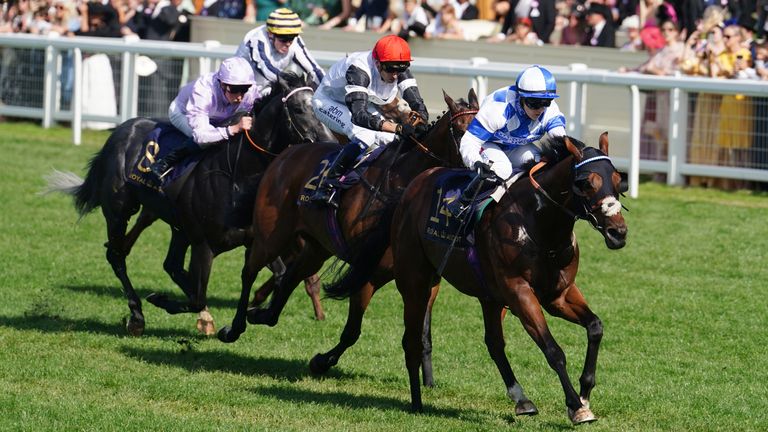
[(553, 149)]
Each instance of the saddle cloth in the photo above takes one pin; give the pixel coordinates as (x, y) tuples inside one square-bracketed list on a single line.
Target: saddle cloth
[(159, 142), (344, 182)]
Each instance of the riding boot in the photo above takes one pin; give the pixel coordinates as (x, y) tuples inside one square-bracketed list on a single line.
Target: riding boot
[(326, 190), (162, 166), (467, 195)]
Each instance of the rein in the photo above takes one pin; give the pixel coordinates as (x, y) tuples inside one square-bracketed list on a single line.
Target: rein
[(284, 99), (428, 152)]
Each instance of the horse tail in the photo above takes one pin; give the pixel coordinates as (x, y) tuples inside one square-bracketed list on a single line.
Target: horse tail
[(362, 266), (84, 192)]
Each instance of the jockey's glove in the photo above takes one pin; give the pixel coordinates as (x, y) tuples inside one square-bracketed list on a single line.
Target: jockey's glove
[(407, 130), (484, 171)]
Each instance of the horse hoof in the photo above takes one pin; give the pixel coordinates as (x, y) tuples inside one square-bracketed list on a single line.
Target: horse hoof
[(526, 408), (135, 327), (260, 316), (318, 366), (226, 335), (207, 328), (581, 415)]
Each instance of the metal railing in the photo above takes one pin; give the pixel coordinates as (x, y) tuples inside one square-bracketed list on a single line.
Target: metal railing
[(204, 57)]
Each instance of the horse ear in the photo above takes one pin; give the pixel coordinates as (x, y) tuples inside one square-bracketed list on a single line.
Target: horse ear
[(573, 150), (472, 96), (450, 102), (604, 142)]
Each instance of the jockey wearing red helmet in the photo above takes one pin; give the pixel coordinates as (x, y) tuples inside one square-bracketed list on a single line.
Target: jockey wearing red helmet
[(347, 100)]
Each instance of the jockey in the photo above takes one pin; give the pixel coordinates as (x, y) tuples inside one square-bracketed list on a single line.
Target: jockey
[(272, 47), (500, 139), (347, 98), (201, 108)]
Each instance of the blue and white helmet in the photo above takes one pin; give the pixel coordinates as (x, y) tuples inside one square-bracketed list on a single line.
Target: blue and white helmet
[(536, 82), (236, 71)]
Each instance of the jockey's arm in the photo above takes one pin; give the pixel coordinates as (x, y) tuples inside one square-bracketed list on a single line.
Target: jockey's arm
[(356, 100), (406, 83)]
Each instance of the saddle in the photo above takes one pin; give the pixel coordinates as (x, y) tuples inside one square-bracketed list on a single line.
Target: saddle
[(344, 182), (162, 140), (443, 225)]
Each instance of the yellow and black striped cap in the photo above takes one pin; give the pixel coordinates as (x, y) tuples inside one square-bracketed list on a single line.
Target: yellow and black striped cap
[(284, 21)]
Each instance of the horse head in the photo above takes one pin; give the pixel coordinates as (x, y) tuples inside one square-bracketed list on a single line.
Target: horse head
[(285, 115), (442, 140), (596, 187)]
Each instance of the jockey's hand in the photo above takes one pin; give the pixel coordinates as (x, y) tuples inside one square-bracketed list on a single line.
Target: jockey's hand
[(244, 124), (484, 171), (409, 131)]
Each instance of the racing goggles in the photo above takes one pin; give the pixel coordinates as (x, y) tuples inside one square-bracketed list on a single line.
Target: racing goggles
[(537, 103), (395, 67), (286, 38), (237, 89)]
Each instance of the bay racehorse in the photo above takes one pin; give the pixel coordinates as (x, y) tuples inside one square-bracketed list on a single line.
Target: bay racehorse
[(205, 213), (362, 219), (525, 257)]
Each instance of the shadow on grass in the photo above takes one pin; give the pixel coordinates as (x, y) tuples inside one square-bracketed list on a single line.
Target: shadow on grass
[(57, 324), (116, 292), (190, 359), (301, 395)]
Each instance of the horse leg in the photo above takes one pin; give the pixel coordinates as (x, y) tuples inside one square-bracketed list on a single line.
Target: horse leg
[(116, 254), (308, 262), (573, 307), (278, 268), (426, 339), (143, 221), (415, 300), (531, 316), (255, 260), (312, 287), (358, 303), (494, 341)]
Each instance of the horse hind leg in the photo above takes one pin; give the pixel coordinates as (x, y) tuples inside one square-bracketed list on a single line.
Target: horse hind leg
[(428, 377), (117, 250), (494, 341), (143, 221)]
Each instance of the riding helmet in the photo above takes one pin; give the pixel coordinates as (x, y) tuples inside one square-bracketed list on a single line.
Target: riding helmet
[(236, 71), (536, 82), (284, 21), (392, 48)]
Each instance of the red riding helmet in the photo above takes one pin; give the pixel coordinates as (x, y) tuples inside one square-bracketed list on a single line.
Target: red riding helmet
[(392, 48)]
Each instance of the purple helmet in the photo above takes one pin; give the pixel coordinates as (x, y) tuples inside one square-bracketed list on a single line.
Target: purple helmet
[(236, 71)]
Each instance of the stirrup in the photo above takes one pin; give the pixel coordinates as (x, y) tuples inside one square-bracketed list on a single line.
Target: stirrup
[(160, 169)]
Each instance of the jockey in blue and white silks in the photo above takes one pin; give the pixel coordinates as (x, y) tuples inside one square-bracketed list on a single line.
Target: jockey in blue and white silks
[(510, 121), (274, 46)]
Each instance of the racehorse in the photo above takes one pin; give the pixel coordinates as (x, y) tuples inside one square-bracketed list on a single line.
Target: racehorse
[(525, 257), (361, 222), (221, 186)]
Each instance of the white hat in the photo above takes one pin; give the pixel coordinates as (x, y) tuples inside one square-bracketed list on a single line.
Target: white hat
[(630, 22), (145, 66)]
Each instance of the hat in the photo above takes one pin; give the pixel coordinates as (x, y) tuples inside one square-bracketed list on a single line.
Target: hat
[(525, 21), (145, 66), (652, 38), (597, 8), (630, 22)]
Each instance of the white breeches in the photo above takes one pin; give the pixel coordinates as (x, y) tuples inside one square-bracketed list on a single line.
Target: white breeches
[(338, 118)]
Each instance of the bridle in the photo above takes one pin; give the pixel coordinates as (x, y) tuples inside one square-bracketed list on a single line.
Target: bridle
[(291, 123), (452, 131)]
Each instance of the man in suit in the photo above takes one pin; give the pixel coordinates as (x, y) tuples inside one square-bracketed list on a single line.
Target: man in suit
[(542, 14), (602, 33)]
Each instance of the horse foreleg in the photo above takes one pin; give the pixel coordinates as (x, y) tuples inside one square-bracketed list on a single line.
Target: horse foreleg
[(531, 316), (358, 303), (573, 307), (255, 260), (494, 341), (312, 287), (174, 262)]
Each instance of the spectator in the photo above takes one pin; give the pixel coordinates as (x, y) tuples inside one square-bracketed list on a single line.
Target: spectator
[(239, 9), (464, 10), (413, 21), (315, 12), (341, 18), (445, 25), (375, 13), (523, 34), (575, 32), (542, 14), (631, 25), (601, 33)]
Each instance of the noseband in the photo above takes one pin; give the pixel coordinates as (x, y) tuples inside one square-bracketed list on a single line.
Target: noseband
[(452, 131), (291, 123)]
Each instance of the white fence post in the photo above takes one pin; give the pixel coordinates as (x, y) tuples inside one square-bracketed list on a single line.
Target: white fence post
[(634, 149), (51, 55), (678, 121), (77, 96), (576, 104), (128, 81), (479, 82)]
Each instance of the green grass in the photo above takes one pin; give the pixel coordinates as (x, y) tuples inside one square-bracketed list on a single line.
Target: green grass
[(683, 305)]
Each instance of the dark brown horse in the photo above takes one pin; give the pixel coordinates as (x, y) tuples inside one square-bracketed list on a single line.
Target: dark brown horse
[(526, 258), (362, 218), (222, 185)]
